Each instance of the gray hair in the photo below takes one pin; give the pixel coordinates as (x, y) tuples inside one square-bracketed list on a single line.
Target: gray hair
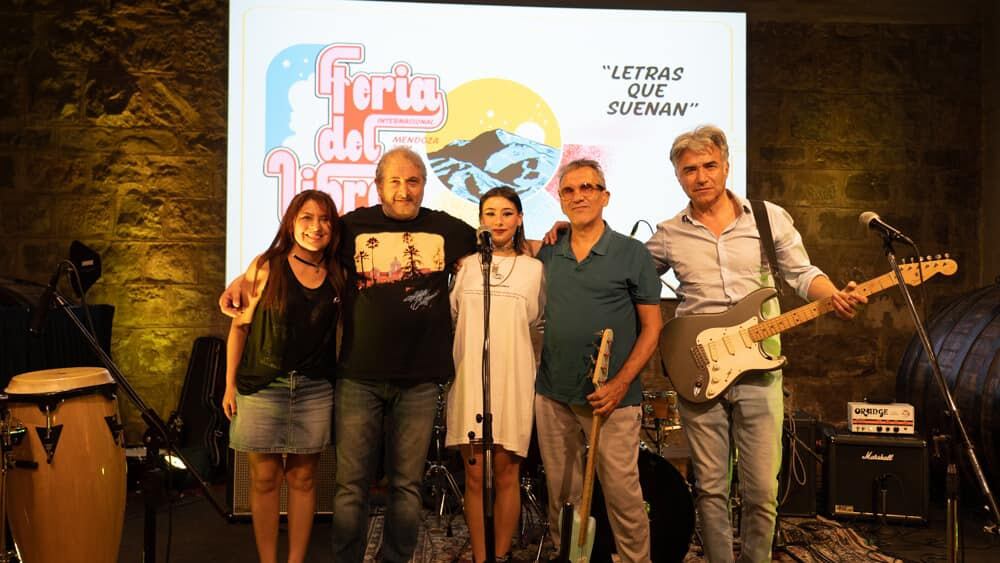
[(405, 152), (582, 163), (701, 139)]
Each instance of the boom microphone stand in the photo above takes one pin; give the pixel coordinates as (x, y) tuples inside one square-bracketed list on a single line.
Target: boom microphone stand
[(888, 237), (155, 436), (486, 418)]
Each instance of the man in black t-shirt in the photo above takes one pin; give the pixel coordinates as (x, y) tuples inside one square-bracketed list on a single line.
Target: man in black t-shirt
[(396, 349)]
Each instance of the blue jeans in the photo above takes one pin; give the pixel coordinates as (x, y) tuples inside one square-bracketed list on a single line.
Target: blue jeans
[(291, 415), (359, 409), (749, 416)]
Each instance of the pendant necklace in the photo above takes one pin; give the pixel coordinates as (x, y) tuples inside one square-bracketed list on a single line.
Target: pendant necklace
[(495, 270)]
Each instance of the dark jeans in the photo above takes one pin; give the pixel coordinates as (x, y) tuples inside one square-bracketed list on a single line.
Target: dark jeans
[(359, 409)]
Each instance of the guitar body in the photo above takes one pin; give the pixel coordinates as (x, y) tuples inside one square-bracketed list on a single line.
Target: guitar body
[(570, 550), (581, 553), (704, 354)]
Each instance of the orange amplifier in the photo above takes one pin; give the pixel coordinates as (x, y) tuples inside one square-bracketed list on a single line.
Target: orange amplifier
[(876, 418)]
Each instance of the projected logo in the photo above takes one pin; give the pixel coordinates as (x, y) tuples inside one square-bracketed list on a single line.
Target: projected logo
[(498, 133), (324, 117)]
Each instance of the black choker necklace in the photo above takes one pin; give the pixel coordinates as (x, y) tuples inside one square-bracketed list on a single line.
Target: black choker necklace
[(306, 262)]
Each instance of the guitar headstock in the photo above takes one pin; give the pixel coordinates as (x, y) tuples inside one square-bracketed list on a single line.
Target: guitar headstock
[(603, 358), (928, 267)]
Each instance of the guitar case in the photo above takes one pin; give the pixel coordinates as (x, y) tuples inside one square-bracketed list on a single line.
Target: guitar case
[(201, 429)]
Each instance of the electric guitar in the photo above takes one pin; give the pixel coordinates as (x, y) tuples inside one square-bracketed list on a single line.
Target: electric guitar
[(577, 527), (703, 355)]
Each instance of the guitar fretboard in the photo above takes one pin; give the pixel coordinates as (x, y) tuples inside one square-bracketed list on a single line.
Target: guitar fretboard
[(810, 311)]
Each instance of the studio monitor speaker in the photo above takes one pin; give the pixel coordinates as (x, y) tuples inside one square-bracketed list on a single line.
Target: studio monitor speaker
[(238, 485), (870, 476)]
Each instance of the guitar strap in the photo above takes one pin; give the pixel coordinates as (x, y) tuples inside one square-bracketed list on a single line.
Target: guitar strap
[(767, 241)]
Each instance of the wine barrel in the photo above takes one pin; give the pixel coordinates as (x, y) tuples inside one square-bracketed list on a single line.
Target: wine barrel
[(965, 336)]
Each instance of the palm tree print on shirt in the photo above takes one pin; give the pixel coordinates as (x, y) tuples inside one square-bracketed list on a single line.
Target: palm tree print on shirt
[(400, 256)]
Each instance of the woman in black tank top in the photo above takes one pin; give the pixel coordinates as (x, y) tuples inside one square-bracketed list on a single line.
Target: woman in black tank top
[(281, 356)]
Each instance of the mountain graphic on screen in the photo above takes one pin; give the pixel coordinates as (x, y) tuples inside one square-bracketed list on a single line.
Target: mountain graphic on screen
[(494, 158)]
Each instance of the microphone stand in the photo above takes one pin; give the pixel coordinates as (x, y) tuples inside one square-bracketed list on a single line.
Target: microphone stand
[(955, 420), (486, 418), (155, 436)]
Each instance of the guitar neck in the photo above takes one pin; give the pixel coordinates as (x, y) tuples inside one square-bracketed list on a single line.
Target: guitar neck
[(817, 308), (588, 477)]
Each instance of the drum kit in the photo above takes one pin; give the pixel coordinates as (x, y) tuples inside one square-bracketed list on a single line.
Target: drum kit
[(660, 418), (62, 478)]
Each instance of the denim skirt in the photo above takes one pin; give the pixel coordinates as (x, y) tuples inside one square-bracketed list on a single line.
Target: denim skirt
[(292, 415)]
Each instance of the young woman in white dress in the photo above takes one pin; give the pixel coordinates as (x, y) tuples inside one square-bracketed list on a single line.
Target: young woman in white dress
[(517, 299)]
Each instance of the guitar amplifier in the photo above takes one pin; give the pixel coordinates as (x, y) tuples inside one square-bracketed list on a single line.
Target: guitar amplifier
[(238, 485), (798, 480), (869, 476), (891, 418)]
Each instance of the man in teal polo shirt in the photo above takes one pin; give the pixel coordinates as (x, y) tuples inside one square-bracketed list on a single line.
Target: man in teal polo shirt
[(596, 279)]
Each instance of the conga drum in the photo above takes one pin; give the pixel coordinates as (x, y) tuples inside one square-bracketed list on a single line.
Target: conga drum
[(67, 506)]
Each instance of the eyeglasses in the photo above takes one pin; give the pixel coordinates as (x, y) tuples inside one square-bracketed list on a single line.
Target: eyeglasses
[(567, 193)]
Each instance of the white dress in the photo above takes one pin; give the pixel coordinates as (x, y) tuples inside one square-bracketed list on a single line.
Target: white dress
[(517, 300)]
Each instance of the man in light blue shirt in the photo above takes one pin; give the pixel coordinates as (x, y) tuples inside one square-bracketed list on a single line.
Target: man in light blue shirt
[(715, 250)]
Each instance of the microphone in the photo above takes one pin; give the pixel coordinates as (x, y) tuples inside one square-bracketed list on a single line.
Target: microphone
[(484, 238), (875, 223), (41, 310)]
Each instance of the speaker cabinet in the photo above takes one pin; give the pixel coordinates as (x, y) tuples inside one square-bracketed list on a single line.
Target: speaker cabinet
[(797, 482), (238, 485), (870, 476)]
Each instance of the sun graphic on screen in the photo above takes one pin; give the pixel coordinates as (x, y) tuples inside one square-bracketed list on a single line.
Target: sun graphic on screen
[(498, 133), (493, 103)]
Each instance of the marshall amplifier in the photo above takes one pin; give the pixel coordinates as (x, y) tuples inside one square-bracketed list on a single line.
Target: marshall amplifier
[(869, 476)]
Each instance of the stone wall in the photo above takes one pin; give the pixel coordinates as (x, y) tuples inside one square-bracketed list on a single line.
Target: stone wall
[(847, 118), (113, 130)]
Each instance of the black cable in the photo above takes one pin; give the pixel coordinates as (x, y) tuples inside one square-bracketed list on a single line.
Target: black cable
[(795, 468), (652, 231)]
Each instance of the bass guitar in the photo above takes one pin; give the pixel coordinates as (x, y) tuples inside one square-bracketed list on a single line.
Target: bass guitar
[(577, 526), (703, 355)]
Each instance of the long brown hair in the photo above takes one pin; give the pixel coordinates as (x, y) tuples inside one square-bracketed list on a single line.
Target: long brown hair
[(284, 242)]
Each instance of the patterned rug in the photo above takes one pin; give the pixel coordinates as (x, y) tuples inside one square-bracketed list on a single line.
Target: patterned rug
[(806, 540), (821, 540)]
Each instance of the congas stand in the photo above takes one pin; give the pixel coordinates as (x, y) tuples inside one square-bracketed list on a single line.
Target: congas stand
[(157, 436)]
